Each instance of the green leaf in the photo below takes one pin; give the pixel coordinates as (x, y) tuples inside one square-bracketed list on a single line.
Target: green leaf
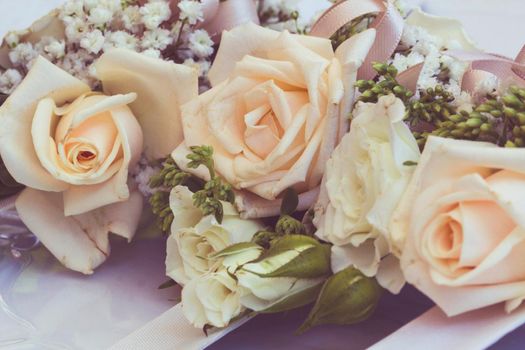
[(235, 249), (168, 284), (294, 256), (290, 202), (294, 301), (348, 297)]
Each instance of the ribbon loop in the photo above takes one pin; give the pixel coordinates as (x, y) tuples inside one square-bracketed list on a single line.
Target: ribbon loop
[(388, 25)]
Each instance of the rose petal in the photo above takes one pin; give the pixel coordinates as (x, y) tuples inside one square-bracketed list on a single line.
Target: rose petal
[(161, 86), (78, 242), (16, 116)]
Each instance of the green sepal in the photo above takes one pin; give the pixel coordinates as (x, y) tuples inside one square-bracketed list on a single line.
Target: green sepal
[(290, 202), (235, 249), (294, 301), (296, 256), (348, 297)]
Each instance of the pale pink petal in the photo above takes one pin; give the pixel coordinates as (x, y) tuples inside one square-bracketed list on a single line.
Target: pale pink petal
[(78, 242), (16, 116), (162, 88)]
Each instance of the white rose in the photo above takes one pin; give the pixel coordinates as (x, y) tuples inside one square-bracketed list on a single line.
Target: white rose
[(363, 183), (276, 111), (195, 238), (73, 149), (460, 226), (211, 299)]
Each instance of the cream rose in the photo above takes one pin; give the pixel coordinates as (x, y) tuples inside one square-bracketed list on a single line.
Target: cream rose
[(460, 227), (73, 149), (278, 107), (211, 299), (364, 181), (195, 238)]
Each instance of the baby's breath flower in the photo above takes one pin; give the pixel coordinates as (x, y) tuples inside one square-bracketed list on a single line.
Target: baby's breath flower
[(93, 41), (191, 11), (131, 18), (202, 66), (100, 16), (9, 80), (200, 43), (156, 39), (52, 48), (120, 39), (72, 8), (154, 13), (75, 28), (151, 53), (22, 54), (11, 39)]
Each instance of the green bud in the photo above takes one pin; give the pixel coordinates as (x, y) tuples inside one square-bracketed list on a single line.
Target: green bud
[(348, 297), (288, 225), (457, 134), (512, 101), (510, 144), (264, 238), (474, 123), (521, 118), (486, 127), (509, 112), (519, 142), (296, 256), (484, 108), (496, 113)]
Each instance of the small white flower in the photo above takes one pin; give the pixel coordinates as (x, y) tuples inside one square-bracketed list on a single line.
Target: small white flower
[(55, 48), (89, 4), (9, 80), (72, 8), (151, 53), (202, 66), (93, 41), (11, 39), (154, 13), (191, 11), (131, 18), (100, 16), (156, 39), (120, 39), (487, 85), (464, 102), (75, 28), (200, 43), (23, 54)]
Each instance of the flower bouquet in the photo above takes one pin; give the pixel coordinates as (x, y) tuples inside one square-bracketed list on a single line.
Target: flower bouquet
[(287, 162)]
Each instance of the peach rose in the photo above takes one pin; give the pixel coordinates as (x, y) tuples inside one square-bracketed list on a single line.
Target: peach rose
[(278, 107), (73, 149), (460, 227)]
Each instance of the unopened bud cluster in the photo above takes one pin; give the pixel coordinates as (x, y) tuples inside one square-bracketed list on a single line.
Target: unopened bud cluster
[(387, 84), (352, 28)]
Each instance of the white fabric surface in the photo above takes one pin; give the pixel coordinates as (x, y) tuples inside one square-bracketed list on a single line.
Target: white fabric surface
[(435, 331)]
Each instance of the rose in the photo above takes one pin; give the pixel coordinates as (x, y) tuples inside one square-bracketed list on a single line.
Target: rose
[(364, 181), (195, 238), (211, 299), (460, 226), (73, 149), (277, 109)]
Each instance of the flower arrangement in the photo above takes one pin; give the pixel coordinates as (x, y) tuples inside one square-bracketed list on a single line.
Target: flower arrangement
[(285, 165)]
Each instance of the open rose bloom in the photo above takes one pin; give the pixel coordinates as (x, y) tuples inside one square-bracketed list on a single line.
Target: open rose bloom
[(460, 227), (278, 106), (73, 149)]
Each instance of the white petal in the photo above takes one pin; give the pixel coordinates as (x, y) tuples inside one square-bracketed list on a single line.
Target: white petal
[(79, 242), (16, 116), (162, 88)]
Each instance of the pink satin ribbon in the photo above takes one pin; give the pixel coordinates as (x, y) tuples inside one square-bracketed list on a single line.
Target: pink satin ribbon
[(225, 15), (505, 69), (388, 25)]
